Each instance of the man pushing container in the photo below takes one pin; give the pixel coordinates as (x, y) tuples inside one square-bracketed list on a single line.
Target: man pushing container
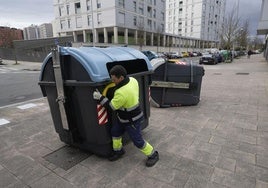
[(129, 115)]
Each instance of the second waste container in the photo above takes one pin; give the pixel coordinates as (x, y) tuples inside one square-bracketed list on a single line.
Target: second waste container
[(175, 83), (68, 78)]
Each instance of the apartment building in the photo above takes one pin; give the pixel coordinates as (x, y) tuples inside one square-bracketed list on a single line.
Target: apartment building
[(45, 30), (38, 32), (31, 32), (195, 18), (110, 21)]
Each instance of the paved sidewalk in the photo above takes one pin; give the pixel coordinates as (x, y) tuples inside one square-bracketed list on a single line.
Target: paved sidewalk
[(221, 142), (22, 65)]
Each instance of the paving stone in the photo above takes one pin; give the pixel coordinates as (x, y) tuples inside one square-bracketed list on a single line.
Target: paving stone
[(238, 155), (170, 176), (138, 181), (207, 147), (7, 179), (231, 179), (253, 148), (262, 160), (262, 141), (246, 125), (226, 163), (201, 156), (261, 184), (81, 176), (52, 180), (196, 181), (251, 170), (196, 168)]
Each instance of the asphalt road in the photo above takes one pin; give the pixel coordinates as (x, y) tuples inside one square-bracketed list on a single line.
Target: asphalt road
[(18, 86)]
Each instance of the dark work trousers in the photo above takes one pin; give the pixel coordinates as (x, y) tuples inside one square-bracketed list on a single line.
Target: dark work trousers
[(133, 129)]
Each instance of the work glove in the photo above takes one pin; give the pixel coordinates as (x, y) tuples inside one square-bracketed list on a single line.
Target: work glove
[(97, 95)]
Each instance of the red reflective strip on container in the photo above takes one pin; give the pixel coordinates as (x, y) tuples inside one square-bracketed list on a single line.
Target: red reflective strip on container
[(102, 115), (180, 63)]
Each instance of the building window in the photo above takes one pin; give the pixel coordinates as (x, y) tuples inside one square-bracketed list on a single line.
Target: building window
[(68, 9), (141, 23), (141, 10), (99, 18), (149, 22), (135, 6), (89, 20), (61, 9), (98, 4), (77, 8), (62, 24), (163, 16), (122, 3), (121, 18), (162, 28), (88, 5), (69, 23), (149, 11), (78, 22), (135, 21)]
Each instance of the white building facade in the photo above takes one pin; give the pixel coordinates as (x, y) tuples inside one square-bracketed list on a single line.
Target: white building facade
[(195, 18), (109, 21), (106, 22)]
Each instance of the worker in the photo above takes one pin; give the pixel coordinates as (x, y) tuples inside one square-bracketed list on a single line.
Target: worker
[(129, 115)]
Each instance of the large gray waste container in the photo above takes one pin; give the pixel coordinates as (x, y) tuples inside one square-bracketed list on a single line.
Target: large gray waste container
[(175, 84), (69, 77)]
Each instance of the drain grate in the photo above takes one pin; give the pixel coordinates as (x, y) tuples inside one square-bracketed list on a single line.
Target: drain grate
[(242, 73), (217, 73), (66, 157)]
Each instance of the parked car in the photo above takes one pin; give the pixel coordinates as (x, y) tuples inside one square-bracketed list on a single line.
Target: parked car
[(219, 57), (1, 60), (208, 58), (173, 55), (185, 54), (150, 54)]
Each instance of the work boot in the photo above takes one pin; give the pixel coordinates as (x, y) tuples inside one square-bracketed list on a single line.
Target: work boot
[(116, 155), (152, 159)]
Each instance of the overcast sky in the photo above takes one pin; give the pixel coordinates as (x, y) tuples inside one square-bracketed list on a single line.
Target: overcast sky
[(23, 13)]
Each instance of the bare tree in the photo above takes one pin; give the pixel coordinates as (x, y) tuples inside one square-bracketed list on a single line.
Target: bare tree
[(159, 32), (229, 30), (243, 37), (140, 28)]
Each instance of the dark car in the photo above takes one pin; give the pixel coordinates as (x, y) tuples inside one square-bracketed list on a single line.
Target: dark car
[(150, 54), (208, 58), (219, 57)]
